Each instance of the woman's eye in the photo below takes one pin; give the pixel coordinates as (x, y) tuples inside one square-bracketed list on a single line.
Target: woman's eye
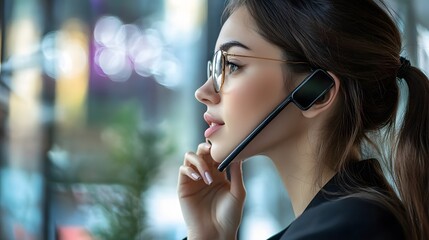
[(232, 67)]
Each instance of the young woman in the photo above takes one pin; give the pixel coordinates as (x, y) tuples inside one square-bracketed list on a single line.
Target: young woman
[(328, 155)]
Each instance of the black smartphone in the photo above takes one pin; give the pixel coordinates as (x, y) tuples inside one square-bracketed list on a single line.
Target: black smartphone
[(311, 89)]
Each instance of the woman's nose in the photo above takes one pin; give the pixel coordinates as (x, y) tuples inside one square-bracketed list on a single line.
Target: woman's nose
[(206, 93)]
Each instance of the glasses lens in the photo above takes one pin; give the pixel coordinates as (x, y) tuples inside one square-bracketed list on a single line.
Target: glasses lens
[(217, 70), (209, 69)]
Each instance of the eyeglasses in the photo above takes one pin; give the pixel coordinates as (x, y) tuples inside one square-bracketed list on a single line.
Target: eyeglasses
[(216, 70)]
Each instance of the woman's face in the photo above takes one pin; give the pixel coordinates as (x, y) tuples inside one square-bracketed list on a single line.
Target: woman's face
[(251, 90)]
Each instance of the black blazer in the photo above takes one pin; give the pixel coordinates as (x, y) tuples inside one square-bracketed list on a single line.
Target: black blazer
[(331, 216)]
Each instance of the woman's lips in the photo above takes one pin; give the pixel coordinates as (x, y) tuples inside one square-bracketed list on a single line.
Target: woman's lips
[(213, 123), (213, 128)]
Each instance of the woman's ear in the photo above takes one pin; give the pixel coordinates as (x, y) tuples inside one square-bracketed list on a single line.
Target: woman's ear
[(326, 102)]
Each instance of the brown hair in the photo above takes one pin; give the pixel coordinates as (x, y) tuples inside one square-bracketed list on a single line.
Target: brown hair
[(360, 43)]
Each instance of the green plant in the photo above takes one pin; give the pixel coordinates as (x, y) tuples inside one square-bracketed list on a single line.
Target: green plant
[(136, 154)]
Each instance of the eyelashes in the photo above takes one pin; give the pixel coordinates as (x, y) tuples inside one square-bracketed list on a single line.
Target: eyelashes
[(231, 67)]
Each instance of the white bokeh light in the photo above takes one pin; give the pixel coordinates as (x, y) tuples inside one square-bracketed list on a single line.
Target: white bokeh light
[(123, 48), (146, 47), (167, 71), (48, 48), (115, 64), (106, 31)]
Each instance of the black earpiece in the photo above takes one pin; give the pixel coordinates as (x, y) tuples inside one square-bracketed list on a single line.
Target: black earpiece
[(311, 89)]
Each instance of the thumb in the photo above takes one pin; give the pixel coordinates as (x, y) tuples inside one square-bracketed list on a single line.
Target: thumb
[(237, 184)]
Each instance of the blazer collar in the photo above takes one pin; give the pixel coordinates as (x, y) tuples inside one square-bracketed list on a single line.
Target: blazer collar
[(362, 175)]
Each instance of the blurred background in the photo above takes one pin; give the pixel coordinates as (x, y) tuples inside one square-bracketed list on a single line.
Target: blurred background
[(101, 110)]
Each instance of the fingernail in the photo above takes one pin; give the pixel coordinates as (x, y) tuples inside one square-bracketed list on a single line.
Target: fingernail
[(195, 176), (208, 177)]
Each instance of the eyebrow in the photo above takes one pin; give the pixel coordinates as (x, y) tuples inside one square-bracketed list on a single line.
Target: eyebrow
[(230, 44)]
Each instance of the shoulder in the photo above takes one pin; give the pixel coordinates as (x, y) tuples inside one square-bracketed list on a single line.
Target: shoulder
[(350, 218)]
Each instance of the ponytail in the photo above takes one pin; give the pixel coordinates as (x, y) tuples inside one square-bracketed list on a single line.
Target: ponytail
[(411, 166)]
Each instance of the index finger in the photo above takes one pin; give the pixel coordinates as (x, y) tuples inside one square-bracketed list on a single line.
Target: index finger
[(203, 149)]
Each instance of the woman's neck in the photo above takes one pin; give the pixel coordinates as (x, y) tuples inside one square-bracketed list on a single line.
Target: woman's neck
[(300, 173)]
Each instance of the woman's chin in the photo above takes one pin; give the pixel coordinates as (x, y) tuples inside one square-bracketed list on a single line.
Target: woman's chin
[(218, 154)]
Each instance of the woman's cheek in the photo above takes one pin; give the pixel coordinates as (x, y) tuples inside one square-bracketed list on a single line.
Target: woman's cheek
[(243, 109), (239, 116)]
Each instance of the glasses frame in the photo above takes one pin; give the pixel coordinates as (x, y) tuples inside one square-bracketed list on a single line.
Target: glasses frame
[(211, 71)]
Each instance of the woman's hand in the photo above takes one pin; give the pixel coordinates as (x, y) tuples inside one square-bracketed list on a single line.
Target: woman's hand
[(211, 205)]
